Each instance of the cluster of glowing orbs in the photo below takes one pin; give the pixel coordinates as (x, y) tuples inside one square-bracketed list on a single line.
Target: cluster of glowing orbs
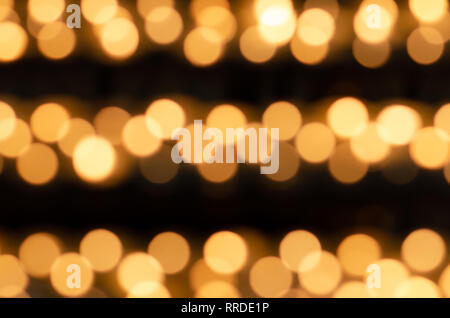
[(429, 148), (94, 159), (423, 250), (225, 252), (48, 122), (13, 279), (145, 7), (102, 248), (428, 11), (46, 11), (345, 167), (38, 252), (254, 48), (371, 55), (347, 117), (171, 250), (308, 54), (368, 146), (148, 289), (315, 142), (38, 165), (56, 41), (13, 41), (138, 139), (201, 274), (276, 22), (315, 27), (282, 116), (217, 289), (397, 124), (76, 129), (109, 123), (226, 116), (417, 287), (99, 11), (275, 284), (295, 250), (203, 46), (425, 45), (353, 289), (168, 114), (18, 142), (219, 19), (7, 120), (392, 274), (163, 25), (119, 38)]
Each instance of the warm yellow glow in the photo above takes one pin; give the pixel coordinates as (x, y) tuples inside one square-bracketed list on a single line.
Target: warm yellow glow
[(60, 276), (315, 27), (276, 21), (269, 277), (38, 252), (168, 114), (315, 142), (18, 141), (226, 116), (217, 172), (138, 139), (296, 246), (109, 123), (217, 289), (417, 287), (102, 248), (119, 38), (149, 289), (368, 146), (423, 250), (371, 55), (444, 281), (159, 168), (94, 159), (46, 11), (201, 274), (254, 48), (203, 46), (99, 11), (197, 6), (7, 120), (353, 289), (76, 130), (356, 252), (6, 7), (38, 165), (225, 252), (308, 54), (347, 117), (429, 148), (289, 163), (48, 122), (284, 116), (397, 124), (331, 6), (137, 268), (425, 45), (145, 7), (13, 41), (219, 19), (13, 279), (428, 11), (393, 273), (56, 41), (163, 25), (375, 19), (442, 119), (345, 167), (171, 250)]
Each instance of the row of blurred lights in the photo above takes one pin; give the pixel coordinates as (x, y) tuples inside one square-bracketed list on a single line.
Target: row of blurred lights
[(339, 132), (229, 264), (266, 25)]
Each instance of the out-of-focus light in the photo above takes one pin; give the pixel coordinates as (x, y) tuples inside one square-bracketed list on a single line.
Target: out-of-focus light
[(315, 142), (145, 7), (13, 279), (217, 172), (417, 287), (425, 45), (119, 38), (149, 289), (331, 6), (163, 25), (226, 116), (444, 281), (76, 130), (347, 117), (397, 124), (368, 146), (275, 284), (138, 139), (109, 123), (99, 11), (308, 54), (13, 41), (352, 289), (428, 11), (159, 168), (225, 252), (429, 148), (254, 48), (442, 119), (171, 250), (6, 6), (196, 7), (48, 122), (393, 274), (345, 167), (201, 274), (38, 252), (38, 165), (56, 41), (217, 289), (375, 19), (7, 120), (219, 19), (371, 55), (169, 116), (81, 270), (315, 27), (102, 248), (398, 168), (356, 252), (289, 163), (295, 248), (94, 159), (46, 11), (203, 46), (313, 280), (284, 116), (423, 250), (136, 268), (18, 142), (276, 20)]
